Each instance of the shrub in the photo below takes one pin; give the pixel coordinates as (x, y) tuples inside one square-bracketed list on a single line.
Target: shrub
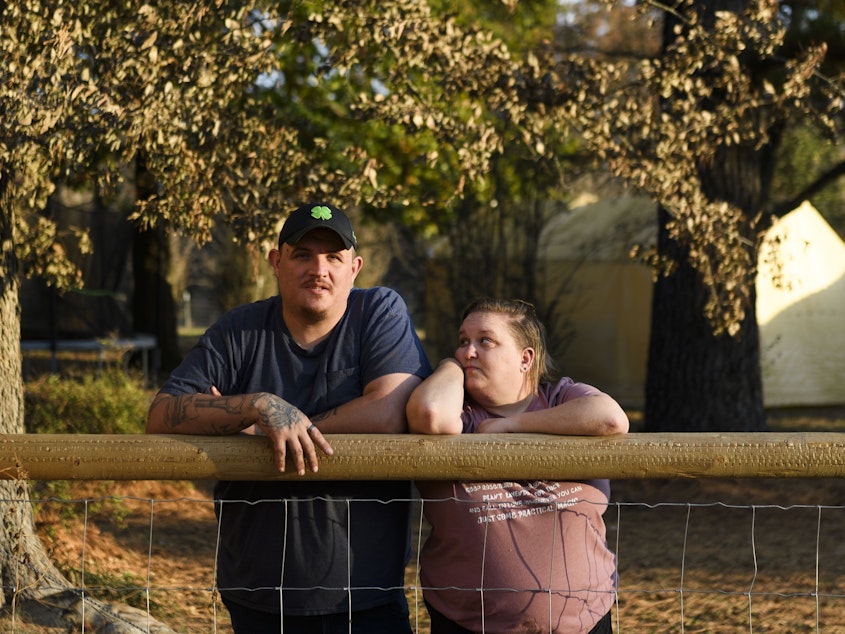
[(111, 402)]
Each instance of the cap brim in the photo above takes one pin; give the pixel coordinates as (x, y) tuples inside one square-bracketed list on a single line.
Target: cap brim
[(296, 237)]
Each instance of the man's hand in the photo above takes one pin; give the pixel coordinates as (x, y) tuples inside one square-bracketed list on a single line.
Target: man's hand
[(290, 432)]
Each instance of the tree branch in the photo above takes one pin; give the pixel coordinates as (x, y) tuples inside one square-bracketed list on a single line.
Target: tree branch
[(826, 179)]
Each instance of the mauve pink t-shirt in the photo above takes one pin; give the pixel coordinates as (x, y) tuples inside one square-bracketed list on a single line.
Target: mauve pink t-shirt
[(519, 557)]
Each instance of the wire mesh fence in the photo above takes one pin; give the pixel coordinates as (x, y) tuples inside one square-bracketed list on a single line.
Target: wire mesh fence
[(693, 554)]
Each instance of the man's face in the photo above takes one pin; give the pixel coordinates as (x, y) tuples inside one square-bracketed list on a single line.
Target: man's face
[(316, 274)]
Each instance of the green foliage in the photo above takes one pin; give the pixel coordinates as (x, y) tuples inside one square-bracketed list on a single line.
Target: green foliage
[(804, 155), (240, 110), (112, 403)]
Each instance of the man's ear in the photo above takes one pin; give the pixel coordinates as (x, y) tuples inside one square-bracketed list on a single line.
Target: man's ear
[(273, 258), (357, 265)]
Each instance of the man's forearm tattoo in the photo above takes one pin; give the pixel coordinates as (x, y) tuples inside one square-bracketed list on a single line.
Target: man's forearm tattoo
[(182, 409)]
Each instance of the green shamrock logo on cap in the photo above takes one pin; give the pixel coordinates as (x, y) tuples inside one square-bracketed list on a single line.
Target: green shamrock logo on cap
[(321, 212)]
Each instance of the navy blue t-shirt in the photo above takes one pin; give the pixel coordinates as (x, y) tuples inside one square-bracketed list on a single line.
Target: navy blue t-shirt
[(311, 538)]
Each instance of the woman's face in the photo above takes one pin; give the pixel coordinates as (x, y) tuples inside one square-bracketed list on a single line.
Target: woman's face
[(496, 368)]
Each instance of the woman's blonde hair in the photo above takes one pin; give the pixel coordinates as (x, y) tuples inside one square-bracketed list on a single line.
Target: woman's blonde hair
[(527, 329)]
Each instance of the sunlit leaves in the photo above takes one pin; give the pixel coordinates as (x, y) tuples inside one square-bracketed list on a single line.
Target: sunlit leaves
[(663, 122), (90, 87), (242, 110)]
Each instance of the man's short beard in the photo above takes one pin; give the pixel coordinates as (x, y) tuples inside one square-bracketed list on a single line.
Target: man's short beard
[(314, 315)]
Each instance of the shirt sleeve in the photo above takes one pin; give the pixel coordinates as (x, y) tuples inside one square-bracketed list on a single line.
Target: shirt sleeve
[(564, 390), (391, 344), (229, 348), (202, 367)]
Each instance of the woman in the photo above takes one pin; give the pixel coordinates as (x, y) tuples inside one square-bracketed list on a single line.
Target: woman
[(513, 557)]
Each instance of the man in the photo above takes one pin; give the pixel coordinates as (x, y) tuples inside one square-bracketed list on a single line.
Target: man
[(321, 357)]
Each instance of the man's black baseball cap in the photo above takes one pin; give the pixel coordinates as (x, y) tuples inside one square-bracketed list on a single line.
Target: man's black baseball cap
[(317, 216)]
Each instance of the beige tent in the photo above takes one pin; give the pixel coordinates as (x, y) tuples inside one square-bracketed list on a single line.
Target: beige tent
[(604, 298), (599, 294), (801, 311)]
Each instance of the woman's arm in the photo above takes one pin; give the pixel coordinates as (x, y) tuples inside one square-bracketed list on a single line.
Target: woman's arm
[(435, 406), (594, 415)]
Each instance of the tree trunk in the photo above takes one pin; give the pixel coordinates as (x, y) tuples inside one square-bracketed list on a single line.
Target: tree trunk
[(32, 587), (153, 305), (24, 566), (698, 381)]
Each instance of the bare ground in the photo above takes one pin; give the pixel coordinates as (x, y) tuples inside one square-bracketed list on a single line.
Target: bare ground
[(762, 555)]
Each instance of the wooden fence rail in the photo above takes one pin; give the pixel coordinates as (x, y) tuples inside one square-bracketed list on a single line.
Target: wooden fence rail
[(409, 456)]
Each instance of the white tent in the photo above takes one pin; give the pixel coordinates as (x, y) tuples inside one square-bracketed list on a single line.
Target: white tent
[(604, 298), (801, 311)]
